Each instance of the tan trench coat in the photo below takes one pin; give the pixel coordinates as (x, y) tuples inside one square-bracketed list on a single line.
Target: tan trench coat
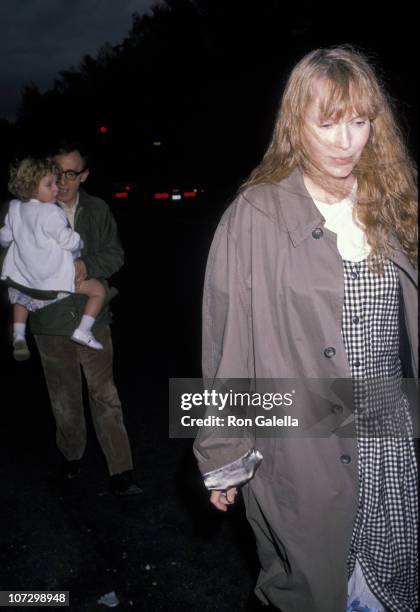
[(273, 301)]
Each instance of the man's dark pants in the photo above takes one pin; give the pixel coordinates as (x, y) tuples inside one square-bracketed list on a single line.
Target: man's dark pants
[(62, 360)]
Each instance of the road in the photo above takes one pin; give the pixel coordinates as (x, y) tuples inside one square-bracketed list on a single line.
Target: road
[(166, 549)]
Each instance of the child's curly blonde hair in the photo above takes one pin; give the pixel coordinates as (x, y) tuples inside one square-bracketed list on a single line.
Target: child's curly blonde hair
[(26, 174)]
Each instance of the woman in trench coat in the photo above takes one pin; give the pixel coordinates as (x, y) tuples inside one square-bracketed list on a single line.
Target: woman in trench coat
[(311, 276)]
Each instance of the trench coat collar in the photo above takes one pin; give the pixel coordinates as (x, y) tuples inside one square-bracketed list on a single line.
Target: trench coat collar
[(301, 216), (299, 212)]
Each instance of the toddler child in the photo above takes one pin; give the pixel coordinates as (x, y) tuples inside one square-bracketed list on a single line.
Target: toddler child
[(41, 251)]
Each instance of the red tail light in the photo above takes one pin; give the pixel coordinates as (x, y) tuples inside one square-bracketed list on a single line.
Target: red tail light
[(161, 196)]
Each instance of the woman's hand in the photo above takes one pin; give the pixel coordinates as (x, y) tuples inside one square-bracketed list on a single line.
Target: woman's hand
[(222, 499)]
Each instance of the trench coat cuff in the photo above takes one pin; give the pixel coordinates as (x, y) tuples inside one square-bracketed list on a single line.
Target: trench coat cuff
[(234, 474)]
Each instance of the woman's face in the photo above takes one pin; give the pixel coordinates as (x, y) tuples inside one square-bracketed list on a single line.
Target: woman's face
[(335, 147)]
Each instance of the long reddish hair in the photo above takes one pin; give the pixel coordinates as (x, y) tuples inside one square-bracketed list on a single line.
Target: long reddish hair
[(386, 176)]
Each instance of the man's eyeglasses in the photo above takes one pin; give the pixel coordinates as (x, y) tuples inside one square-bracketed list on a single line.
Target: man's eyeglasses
[(70, 175)]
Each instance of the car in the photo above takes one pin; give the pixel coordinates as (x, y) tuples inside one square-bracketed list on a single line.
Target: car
[(123, 190), (175, 194)]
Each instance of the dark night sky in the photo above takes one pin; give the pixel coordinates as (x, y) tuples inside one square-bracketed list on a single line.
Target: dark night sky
[(38, 38)]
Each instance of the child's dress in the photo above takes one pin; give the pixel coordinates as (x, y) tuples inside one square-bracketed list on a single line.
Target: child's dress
[(41, 250)]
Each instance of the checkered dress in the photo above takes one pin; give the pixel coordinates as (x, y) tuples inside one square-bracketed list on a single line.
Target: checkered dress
[(385, 532)]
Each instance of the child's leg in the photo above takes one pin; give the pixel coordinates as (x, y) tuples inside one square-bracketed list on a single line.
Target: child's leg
[(20, 317), (95, 292), (20, 348), (22, 305)]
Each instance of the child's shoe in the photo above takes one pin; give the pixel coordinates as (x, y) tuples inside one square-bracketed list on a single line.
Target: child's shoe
[(20, 349), (86, 338)]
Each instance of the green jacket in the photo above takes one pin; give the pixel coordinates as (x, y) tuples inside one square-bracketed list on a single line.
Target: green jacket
[(103, 256)]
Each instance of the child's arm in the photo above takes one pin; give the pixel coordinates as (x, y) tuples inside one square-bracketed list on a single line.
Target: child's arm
[(58, 228), (6, 236)]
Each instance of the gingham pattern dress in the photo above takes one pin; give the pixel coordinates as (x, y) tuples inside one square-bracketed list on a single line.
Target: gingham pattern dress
[(385, 533)]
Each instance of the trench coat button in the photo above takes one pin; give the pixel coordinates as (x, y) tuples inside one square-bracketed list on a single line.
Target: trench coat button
[(336, 409), (329, 352), (346, 459), (317, 233), (355, 319)]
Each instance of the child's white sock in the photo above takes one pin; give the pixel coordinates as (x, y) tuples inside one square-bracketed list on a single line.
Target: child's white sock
[(19, 331), (86, 323)]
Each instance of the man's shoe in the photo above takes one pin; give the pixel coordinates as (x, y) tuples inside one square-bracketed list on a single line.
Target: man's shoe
[(71, 469), (20, 350), (87, 339), (124, 484)]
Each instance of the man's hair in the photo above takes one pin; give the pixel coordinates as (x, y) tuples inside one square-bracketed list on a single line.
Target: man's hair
[(65, 147), (26, 174)]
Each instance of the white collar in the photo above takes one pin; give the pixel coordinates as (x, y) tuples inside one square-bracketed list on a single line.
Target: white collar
[(70, 208)]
